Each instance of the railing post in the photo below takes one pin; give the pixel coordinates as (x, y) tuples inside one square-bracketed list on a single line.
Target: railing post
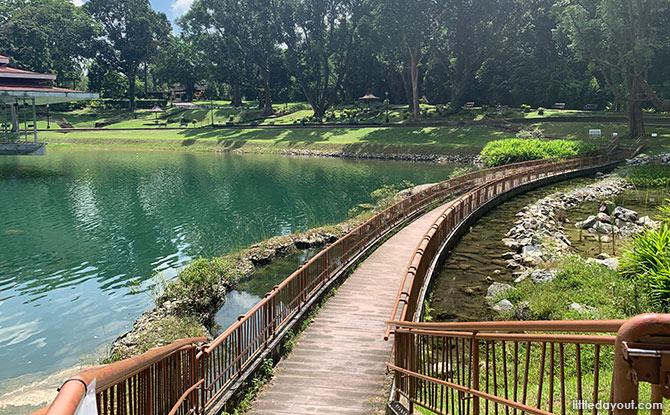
[(474, 350)]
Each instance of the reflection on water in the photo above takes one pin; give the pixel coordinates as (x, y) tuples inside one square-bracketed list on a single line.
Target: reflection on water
[(78, 229)]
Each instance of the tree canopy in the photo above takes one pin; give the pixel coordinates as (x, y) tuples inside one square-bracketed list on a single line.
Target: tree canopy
[(612, 53)]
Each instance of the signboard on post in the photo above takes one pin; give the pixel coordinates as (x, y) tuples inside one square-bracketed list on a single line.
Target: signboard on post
[(595, 133)]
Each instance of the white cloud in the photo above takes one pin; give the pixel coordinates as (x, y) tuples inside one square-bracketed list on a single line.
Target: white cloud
[(179, 7)]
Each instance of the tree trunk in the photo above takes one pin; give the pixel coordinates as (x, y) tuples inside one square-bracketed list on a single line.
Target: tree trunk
[(237, 96), (131, 91), (267, 93), (414, 78), (146, 80), (635, 115)]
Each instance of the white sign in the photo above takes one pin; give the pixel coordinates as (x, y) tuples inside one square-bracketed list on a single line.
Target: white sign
[(654, 135), (595, 133)]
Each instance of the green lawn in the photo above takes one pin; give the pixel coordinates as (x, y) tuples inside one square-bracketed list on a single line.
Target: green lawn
[(429, 140)]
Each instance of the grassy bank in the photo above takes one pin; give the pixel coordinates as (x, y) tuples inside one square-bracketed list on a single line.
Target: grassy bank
[(417, 140)]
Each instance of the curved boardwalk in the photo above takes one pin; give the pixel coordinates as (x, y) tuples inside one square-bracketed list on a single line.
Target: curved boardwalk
[(338, 364)]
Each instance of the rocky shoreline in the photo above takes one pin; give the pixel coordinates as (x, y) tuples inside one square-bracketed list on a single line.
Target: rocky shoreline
[(246, 263), (432, 158)]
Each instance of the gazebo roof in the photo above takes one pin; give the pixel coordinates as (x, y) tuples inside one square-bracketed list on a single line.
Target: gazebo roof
[(369, 97)]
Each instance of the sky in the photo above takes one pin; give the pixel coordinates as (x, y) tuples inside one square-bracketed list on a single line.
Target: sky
[(172, 8)]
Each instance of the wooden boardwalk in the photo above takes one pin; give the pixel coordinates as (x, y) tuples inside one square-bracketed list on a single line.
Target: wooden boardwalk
[(338, 365)]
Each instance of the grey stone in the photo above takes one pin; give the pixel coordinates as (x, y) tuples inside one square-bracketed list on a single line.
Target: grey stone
[(582, 309), (611, 263), (502, 306), (497, 289), (530, 250), (541, 276), (602, 256), (522, 311), (587, 223), (522, 276), (508, 255), (624, 214)]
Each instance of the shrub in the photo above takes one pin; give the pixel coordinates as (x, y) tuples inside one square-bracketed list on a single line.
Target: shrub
[(514, 150), (647, 260), (525, 107), (540, 111), (202, 284), (650, 176)]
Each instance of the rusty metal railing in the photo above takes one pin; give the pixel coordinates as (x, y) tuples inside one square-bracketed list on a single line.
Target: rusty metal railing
[(534, 367), (151, 383)]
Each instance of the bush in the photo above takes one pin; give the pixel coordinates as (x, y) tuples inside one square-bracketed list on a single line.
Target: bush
[(525, 108), (650, 176), (540, 111), (514, 150), (202, 284), (647, 260)]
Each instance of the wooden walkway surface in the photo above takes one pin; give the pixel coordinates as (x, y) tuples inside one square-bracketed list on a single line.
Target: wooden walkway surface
[(338, 366)]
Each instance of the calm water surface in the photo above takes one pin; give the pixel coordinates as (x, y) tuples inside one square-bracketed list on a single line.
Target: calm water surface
[(82, 233)]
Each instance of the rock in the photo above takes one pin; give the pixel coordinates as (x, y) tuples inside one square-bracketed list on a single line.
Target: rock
[(600, 175), (522, 311), (512, 244), (583, 310), (606, 207), (604, 228), (532, 261), (647, 222), (630, 230), (586, 224), (624, 214), (602, 256), (530, 250), (469, 290), (522, 276), (502, 306), (497, 289), (611, 263), (541, 276), (604, 217), (508, 255)]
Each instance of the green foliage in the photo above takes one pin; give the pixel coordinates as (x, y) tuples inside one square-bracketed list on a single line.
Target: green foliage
[(647, 260), (203, 284), (263, 376), (525, 107), (665, 211), (389, 190), (650, 176), (590, 284), (459, 171), (500, 152)]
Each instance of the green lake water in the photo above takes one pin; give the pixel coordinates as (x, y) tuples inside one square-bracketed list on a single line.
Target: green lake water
[(82, 233)]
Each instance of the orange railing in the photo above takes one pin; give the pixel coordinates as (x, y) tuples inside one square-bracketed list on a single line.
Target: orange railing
[(533, 367), (151, 383), (223, 361)]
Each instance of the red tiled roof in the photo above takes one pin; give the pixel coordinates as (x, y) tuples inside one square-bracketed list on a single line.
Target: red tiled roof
[(20, 73)]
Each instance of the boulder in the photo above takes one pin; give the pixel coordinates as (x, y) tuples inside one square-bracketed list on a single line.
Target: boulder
[(626, 215), (611, 263), (647, 222), (541, 276), (587, 223), (530, 250), (502, 306), (604, 228), (604, 217), (523, 312), (496, 290)]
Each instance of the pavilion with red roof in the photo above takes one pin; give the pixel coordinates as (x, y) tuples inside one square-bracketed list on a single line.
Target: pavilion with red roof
[(20, 92)]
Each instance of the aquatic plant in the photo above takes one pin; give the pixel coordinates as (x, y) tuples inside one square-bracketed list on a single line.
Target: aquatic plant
[(650, 176)]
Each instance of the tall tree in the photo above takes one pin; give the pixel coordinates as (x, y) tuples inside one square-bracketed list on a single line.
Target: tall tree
[(320, 36), (132, 34), (408, 24), (47, 36), (620, 37)]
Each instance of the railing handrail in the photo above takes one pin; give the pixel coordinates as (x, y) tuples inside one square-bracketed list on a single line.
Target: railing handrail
[(582, 326), (111, 374)]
